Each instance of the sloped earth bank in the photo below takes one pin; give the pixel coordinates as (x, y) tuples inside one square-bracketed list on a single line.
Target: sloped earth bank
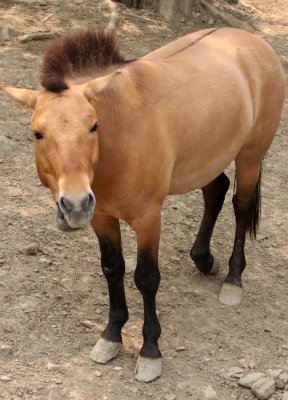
[(54, 302)]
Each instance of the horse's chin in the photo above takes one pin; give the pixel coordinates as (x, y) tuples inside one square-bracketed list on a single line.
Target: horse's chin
[(64, 224), (61, 222)]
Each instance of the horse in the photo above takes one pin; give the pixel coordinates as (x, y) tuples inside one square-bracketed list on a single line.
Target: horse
[(114, 137)]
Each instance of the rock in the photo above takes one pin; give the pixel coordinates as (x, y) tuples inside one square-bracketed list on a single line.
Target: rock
[(30, 250), (279, 384), (170, 397), (53, 367), (264, 388), (274, 373), (235, 372), (45, 261), (4, 378), (5, 351), (88, 324), (210, 394), (5, 32), (173, 289), (130, 264), (248, 380), (285, 396), (284, 377)]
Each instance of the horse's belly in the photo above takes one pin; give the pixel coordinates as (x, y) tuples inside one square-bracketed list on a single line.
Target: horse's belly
[(185, 179), (198, 168)]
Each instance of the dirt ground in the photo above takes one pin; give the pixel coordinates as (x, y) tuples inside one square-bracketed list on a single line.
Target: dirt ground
[(54, 302)]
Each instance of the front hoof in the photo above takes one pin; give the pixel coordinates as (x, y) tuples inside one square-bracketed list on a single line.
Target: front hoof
[(148, 369), (230, 294), (104, 350)]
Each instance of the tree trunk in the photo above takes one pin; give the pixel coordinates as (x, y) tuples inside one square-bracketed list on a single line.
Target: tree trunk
[(171, 9)]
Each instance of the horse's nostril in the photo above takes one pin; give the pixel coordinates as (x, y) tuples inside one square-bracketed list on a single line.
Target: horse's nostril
[(65, 205), (88, 202)]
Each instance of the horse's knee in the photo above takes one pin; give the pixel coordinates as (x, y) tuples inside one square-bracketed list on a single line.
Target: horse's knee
[(147, 276), (115, 269), (112, 261)]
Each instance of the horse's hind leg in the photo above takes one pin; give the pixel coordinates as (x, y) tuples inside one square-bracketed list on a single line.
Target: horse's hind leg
[(214, 195), (246, 202)]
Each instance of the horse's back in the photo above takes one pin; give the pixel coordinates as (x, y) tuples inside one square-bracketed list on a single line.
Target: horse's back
[(228, 86)]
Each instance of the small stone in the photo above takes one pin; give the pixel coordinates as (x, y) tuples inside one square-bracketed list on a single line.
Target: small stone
[(30, 250), (252, 364), (274, 373), (170, 397), (248, 380), (45, 261), (264, 388), (4, 378), (235, 372), (5, 351), (173, 289), (210, 394), (88, 324), (284, 377), (98, 373), (279, 384), (53, 367), (130, 264), (180, 348)]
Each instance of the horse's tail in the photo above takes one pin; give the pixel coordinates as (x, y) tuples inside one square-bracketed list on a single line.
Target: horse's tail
[(255, 210)]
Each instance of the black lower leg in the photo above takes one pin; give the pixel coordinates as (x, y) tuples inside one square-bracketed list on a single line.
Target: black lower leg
[(147, 279), (237, 262), (113, 267), (214, 195)]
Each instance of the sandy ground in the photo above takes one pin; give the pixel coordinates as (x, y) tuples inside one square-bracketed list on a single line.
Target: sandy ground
[(54, 303)]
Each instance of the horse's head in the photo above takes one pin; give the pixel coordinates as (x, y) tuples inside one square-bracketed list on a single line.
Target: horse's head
[(66, 145)]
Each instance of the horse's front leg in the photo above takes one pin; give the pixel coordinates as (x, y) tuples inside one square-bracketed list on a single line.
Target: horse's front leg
[(147, 279), (107, 230)]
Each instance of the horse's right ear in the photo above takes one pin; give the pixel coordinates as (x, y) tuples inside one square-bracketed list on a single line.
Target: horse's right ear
[(26, 97), (92, 88)]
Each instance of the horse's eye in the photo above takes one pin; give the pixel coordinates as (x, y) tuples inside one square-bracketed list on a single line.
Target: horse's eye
[(95, 127), (38, 135)]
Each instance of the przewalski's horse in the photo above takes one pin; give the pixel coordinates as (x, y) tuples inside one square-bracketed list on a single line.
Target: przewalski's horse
[(113, 138)]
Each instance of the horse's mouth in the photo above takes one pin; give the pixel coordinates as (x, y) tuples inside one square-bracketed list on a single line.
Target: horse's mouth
[(62, 224), (72, 222)]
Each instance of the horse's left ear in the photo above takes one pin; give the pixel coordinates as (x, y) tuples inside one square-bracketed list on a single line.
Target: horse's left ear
[(92, 88), (26, 97)]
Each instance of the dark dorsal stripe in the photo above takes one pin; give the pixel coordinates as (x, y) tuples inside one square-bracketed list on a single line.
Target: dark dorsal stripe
[(78, 53), (194, 42)]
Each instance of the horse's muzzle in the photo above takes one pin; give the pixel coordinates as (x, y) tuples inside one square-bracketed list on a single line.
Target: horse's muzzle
[(74, 213)]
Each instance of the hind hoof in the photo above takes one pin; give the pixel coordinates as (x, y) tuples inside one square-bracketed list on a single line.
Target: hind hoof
[(230, 294), (104, 350), (215, 267), (148, 369)]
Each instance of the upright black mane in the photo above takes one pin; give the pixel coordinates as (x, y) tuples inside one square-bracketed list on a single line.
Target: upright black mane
[(77, 53)]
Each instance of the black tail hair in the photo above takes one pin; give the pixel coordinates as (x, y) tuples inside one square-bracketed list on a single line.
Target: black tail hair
[(255, 208)]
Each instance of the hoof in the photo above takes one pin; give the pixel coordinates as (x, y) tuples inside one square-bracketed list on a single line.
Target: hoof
[(148, 369), (215, 267), (104, 350), (230, 294)]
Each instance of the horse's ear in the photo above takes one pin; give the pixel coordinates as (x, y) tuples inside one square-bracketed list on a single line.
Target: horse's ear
[(26, 97), (92, 88)]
